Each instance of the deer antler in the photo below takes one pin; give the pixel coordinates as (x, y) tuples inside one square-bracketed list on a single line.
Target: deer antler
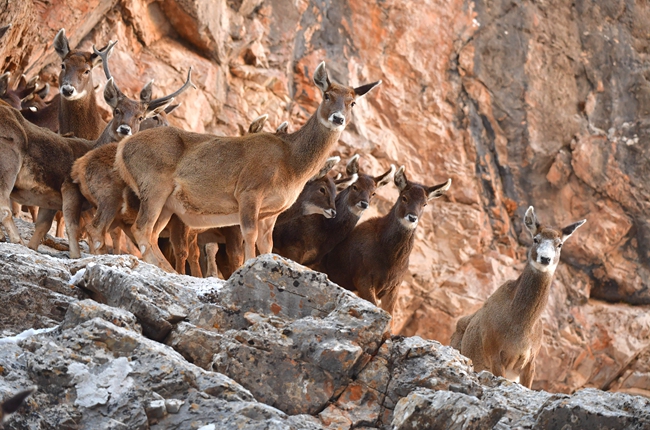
[(153, 104), (103, 54)]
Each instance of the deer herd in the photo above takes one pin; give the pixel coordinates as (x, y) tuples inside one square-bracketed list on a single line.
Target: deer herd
[(230, 198)]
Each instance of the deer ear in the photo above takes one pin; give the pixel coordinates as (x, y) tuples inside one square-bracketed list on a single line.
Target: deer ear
[(353, 165), (258, 124), (321, 79), (363, 89), (342, 184), (157, 110), (569, 229), (4, 83), (530, 221), (384, 179), (61, 45), (329, 164), (146, 92), (111, 93), (171, 108), (282, 128), (43, 92), (400, 179), (438, 190), (4, 29)]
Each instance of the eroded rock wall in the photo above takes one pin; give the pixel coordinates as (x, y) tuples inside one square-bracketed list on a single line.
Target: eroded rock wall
[(519, 102)]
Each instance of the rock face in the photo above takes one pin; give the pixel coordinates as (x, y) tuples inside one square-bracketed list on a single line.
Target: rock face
[(275, 347), (519, 103)]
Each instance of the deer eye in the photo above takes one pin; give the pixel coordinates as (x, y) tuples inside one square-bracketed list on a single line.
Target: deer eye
[(373, 194), (404, 199), (322, 190), (559, 245), (87, 72), (62, 66), (536, 240), (354, 187), (327, 96), (352, 104), (117, 111), (140, 118)]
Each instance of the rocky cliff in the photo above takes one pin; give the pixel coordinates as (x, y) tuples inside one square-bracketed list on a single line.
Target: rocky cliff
[(519, 102)]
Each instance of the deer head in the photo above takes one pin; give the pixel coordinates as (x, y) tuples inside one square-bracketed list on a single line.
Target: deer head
[(413, 198), (23, 90), (36, 100), (129, 114), (338, 100), (544, 255), (75, 78), (365, 187)]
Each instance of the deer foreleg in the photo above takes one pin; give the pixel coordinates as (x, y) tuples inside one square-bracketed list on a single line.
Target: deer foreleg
[(496, 365), (15, 208), (193, 254), (528, 373), (33, 211), (233, 257), (116, 238), (211, 250), (178, 236), (265, 239), (9, 167), (388, 300), (143, 229), (60, 224), (249, 210), (43, 224)]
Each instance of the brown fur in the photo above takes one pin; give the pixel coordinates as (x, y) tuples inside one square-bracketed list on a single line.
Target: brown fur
[(373, 259), (28, 176), (506, 333), (247, 180), (308, 239)]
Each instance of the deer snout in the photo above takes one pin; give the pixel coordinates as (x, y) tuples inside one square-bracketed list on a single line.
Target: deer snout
[(67, 90), (363, 205), (329, 213), (545, 260), (412, 218), (337, 118), (124, 130)]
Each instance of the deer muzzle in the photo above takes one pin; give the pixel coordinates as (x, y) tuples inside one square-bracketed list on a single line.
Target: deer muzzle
[(337, 119), (329, 213), (124, 130)]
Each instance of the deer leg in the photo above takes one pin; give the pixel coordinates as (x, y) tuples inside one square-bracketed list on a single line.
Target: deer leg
[(249, 210), (388, 300), (15, 208), (143, 229), (72, 202), (102, 223), (265, 240), (60, 224), (116, 238), (496, 365), (178, 236), (528, 373), (9, 167), (33, 211), (232, 257), (211, 250), (43, 224), (193, 254)]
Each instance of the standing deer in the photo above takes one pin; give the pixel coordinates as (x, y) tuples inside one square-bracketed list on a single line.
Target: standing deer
[(307, 239), (505, 335), (94, 172), (214, 181), (373, 259), (78, 112)]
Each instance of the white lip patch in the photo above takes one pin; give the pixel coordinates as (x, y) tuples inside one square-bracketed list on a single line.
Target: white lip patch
[(408, 224), (76, 95)]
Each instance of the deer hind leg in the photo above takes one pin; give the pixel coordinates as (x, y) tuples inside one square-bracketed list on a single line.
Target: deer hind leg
[(211, 250), (143, 229), (265, 239), (9, 167), (60, 224), (116, 238), (15, 208), (72, 202), (249, 210), (33, 211), (43, 224), (528, 373), (232, 257), (194, 255)]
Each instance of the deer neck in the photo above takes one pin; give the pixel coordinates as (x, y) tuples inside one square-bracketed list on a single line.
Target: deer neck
[(310, 146), (396, 240), (81, 117), (531, 296)]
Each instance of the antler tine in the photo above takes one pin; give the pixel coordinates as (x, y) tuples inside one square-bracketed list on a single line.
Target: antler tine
[(153, 104), (103, 54)]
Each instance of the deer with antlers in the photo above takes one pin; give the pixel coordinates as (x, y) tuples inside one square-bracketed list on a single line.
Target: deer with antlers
[(94, 172), (214, 181), (373, 258), (505, 335)]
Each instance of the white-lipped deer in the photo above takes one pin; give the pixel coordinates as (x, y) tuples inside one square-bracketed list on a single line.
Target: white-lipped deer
[(214, 181), (505, 335)]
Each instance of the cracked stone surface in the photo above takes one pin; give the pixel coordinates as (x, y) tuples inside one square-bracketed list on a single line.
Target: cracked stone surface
[(277, 346)]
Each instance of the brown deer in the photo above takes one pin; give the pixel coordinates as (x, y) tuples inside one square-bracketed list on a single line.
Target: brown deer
[(94, 172), (505, 335), (15, 97), (11, 405), (214, 181), (78, 111), (373, 258), (307, 239), (37, 111)]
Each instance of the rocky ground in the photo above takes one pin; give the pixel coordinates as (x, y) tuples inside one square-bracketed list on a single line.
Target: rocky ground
[(115, 343), (521, 103)]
